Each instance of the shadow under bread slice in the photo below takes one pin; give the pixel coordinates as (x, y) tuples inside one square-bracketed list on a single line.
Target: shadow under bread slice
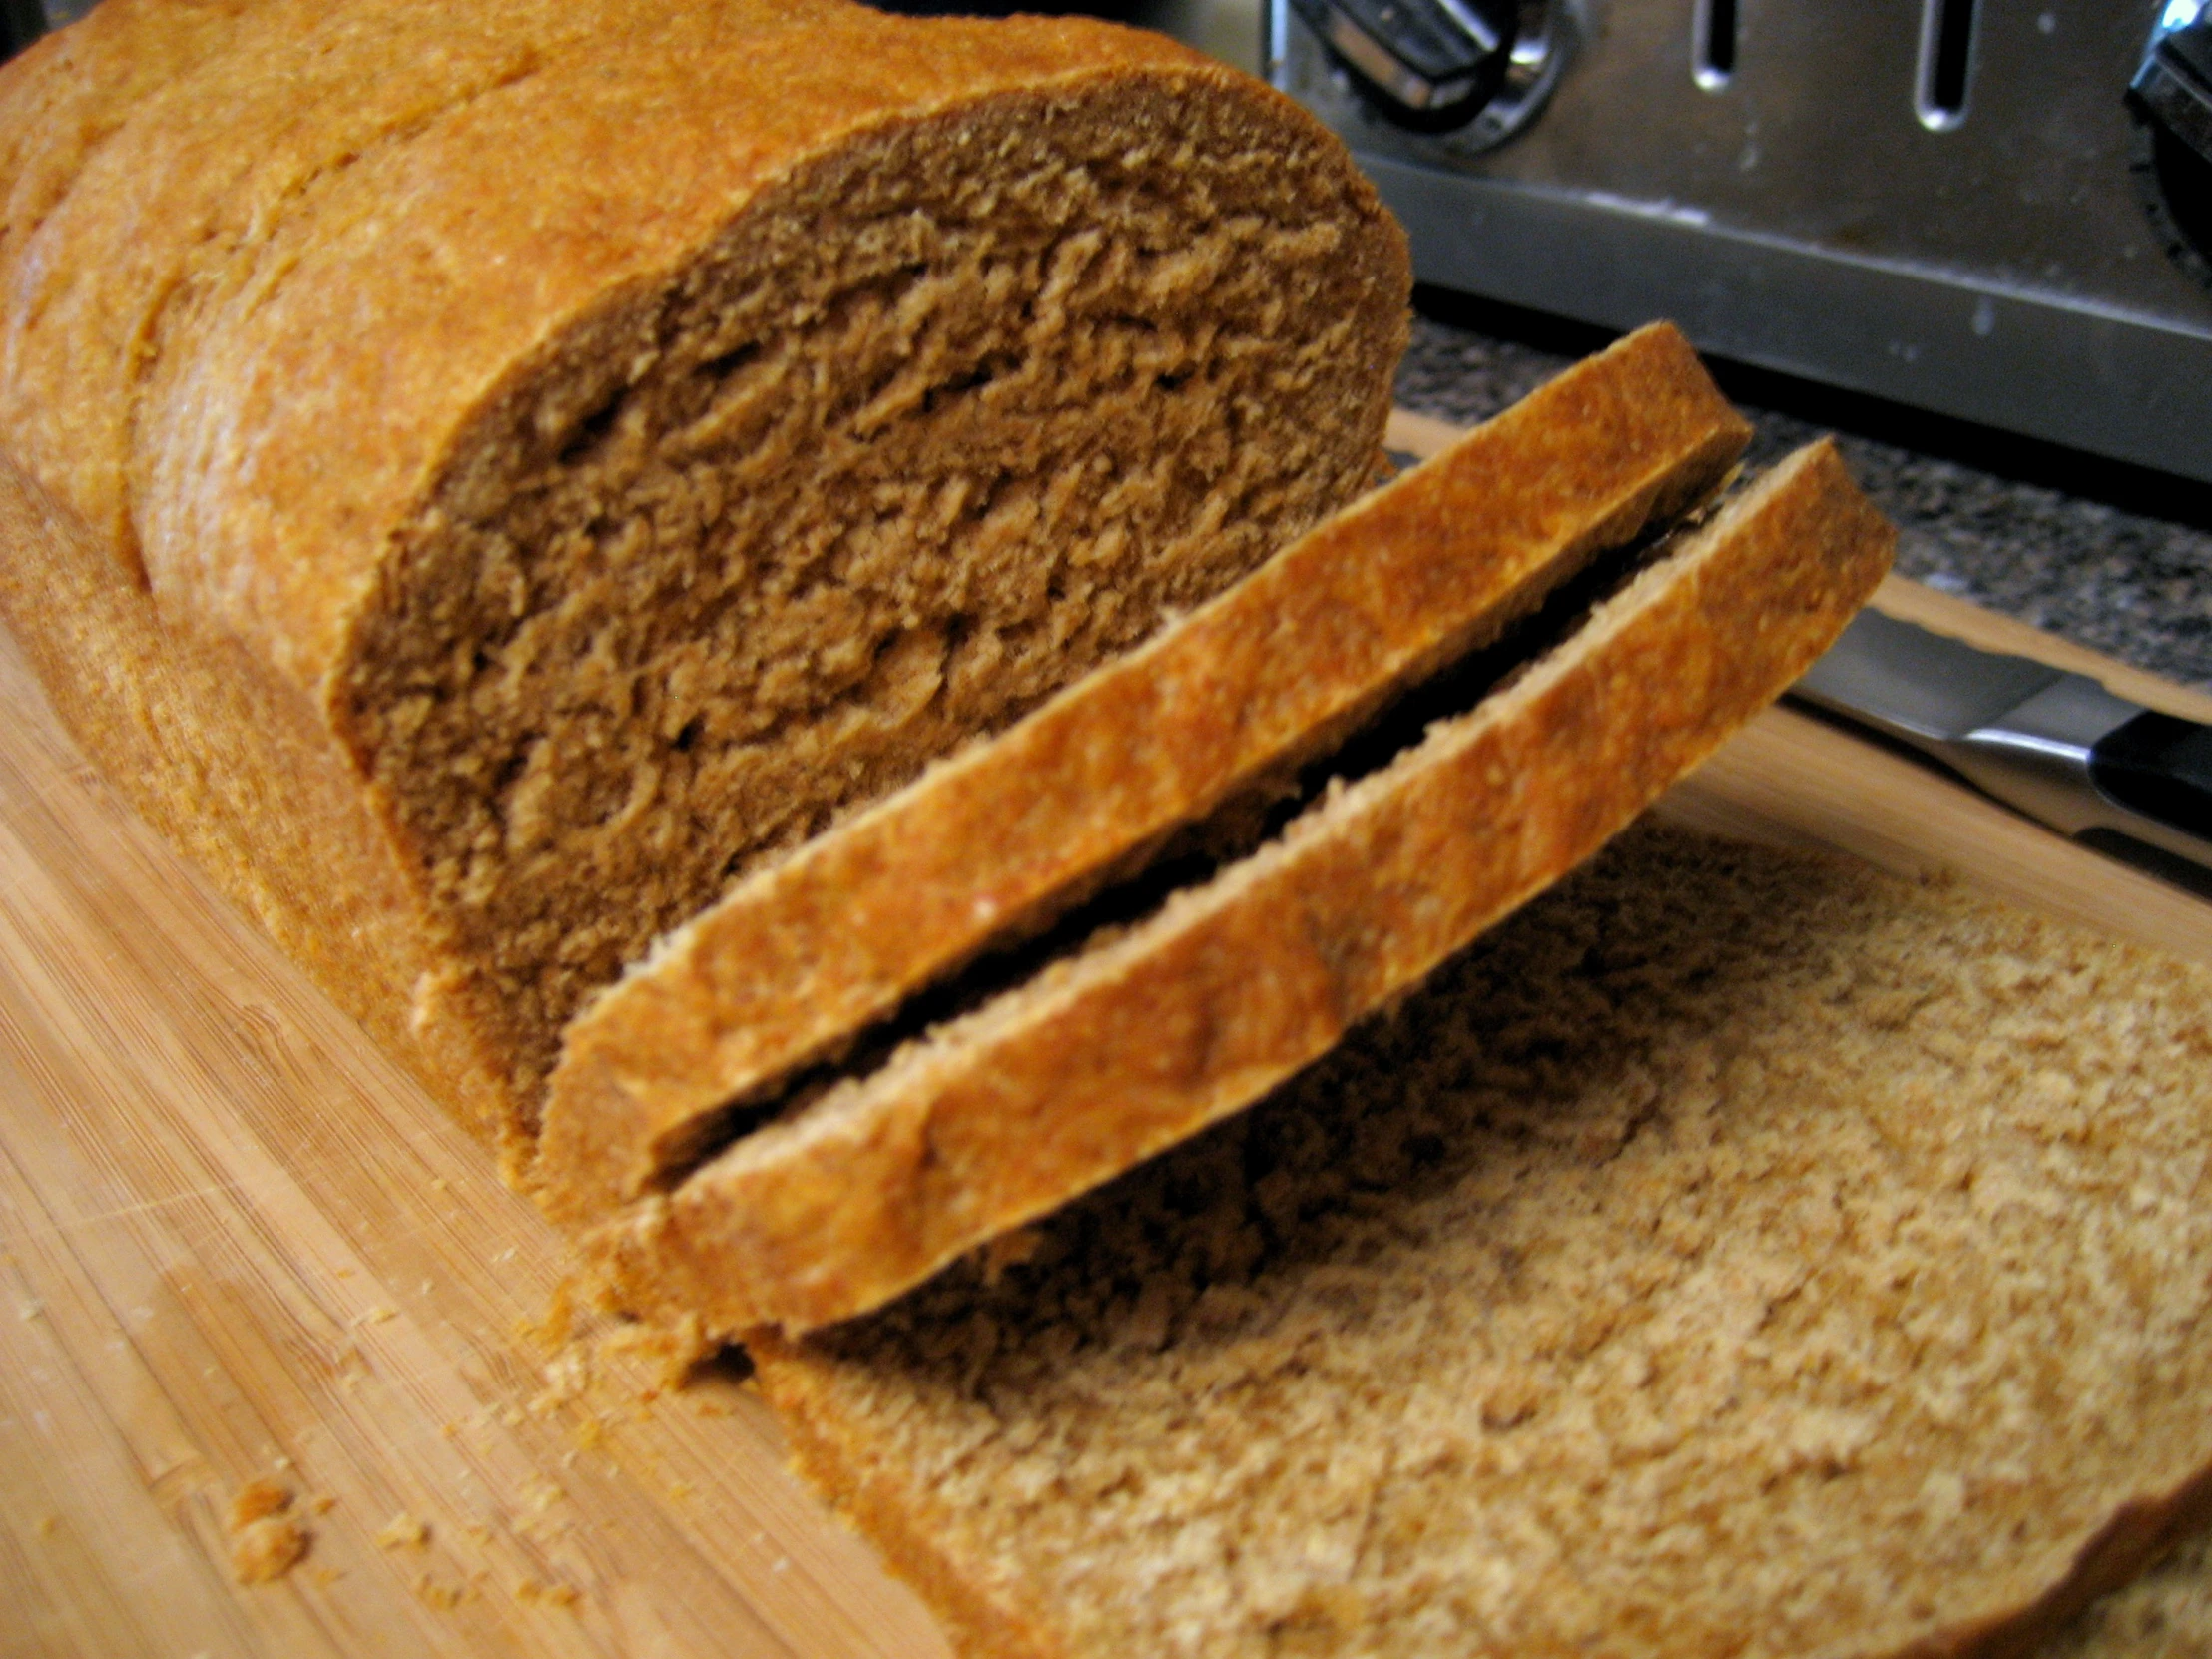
[(993, 846), (1142, 1036)]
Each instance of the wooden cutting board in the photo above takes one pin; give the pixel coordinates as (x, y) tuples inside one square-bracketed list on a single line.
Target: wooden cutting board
[(237, 1244)]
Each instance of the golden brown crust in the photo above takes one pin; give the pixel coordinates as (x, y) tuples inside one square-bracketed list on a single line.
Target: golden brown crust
[(237, 375), (228, 762), (989, 845), (863, 1481), (2137, 1534), (184, 408), (1064, 1084)]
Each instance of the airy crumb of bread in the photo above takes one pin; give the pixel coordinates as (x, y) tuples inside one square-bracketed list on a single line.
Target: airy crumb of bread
[(1736, 1252), (947, 432)]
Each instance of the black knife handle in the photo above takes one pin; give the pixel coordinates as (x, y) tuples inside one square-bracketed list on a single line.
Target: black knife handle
[(2159, 766)]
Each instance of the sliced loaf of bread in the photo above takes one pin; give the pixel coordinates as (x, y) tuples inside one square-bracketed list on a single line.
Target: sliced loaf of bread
[(990, 847), (1736, 1252), (486, 474), (1124, 1047)]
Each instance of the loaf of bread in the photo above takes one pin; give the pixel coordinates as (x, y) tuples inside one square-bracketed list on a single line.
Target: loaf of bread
[(991, 847), (1734, 1253), (484, 475), (1142, 1036)]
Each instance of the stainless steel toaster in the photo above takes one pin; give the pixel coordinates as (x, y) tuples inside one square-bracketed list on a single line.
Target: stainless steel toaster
[(1999, 210)]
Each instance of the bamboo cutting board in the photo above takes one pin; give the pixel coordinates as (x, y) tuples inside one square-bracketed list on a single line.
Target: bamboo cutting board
[(237, 1244)]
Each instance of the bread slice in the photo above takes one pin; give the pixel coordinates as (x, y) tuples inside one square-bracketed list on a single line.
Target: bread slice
[(992, 846), (484, 475), (2165, 1614), (1127, 1048), (1736, 1252)]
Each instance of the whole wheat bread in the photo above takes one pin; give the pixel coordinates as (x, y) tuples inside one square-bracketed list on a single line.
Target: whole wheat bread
[(484, 474), (1111, 1055), (1735, 1253), (989, 847), (2165, 1614)]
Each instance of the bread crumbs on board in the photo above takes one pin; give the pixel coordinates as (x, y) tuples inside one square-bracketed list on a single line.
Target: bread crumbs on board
[(530, 1592), (436, 1593), (267, 1540), (405, 1531)]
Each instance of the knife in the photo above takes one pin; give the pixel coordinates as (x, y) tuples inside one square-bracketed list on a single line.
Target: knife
[(2053, 744)]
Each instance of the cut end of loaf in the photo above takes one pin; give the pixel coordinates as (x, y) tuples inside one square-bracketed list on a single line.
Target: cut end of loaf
[(944, 419)]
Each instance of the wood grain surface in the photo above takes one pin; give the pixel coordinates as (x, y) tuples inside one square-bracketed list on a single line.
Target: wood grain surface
[(237, 1244)]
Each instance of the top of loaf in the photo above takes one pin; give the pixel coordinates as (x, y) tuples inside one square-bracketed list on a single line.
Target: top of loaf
[(630, 435), (187, 304)]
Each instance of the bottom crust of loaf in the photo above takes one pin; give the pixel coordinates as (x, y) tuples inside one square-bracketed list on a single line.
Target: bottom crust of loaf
[(233, 767), (1736, 1252)]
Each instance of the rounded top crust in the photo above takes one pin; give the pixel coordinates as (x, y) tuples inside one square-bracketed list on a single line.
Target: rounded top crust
[(264, 264)]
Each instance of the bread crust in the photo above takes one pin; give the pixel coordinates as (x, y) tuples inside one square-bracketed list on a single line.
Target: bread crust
[(1109, 1059), (2135, 1537), (991, 844), (238, 373), (985, 1621), (229, 763), (193, 431), (1839, 1291)]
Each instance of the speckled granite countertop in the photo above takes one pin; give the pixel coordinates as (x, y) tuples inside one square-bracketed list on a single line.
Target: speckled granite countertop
[(2107, 556)]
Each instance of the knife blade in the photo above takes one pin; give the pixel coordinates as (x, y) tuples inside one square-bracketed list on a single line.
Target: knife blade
[(2048, 743)]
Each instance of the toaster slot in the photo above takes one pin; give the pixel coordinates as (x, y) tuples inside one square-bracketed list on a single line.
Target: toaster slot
[(1945, 64), (1713, 44)]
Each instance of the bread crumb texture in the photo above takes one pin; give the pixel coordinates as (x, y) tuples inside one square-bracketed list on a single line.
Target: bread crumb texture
[(1734, 1254), (267, 1540), (962, 414), (578, 450), (403, 1531)]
